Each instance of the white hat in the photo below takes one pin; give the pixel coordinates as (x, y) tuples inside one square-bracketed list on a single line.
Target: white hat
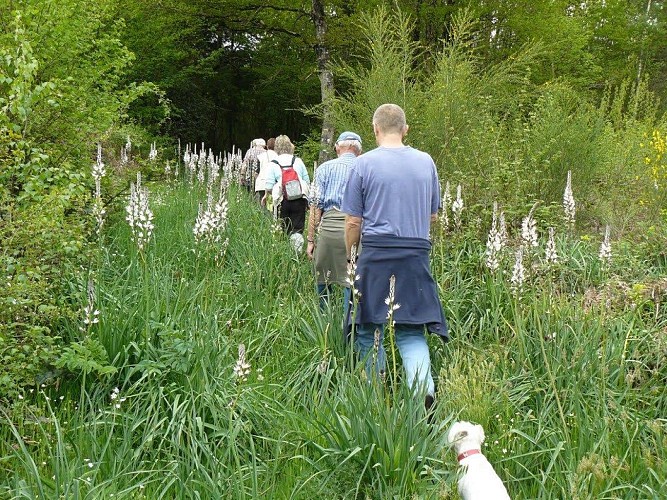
[(260, 142)]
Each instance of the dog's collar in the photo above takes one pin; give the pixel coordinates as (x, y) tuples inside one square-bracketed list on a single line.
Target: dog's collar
[(466, 454)]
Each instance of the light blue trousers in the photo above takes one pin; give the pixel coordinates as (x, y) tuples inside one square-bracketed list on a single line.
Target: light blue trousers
[(412, 346)]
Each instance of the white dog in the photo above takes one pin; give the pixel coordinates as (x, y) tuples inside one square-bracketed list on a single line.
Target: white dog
[(479, 481)]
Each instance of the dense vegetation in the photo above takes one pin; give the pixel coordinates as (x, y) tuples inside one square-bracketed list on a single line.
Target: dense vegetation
[(149, 396)]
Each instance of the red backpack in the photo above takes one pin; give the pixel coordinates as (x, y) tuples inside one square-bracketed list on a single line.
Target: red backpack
[(290, 181)]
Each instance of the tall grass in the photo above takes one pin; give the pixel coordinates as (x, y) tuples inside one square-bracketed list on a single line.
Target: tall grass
[(567, 378)]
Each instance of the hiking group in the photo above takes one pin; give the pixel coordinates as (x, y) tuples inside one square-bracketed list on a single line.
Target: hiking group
[(370, 214)]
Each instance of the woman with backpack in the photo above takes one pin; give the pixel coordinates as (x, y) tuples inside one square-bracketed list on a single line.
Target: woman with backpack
[(288, 182)]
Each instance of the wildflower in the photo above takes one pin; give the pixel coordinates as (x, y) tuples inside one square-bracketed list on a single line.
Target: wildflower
[(242, 368), (502, 229), (494, 243), (529, 229), (201, 165), (191, 163), (446, 202), (152, 155), (123, 156), (139, 214), (323, 365), (519, 272), (167, 170), (390, 300), (89, 312), (605, 248), (116, 399), (213, 168), (128, 145), (99, 171), (457, 206), (352, 276), (377, 340), (212, 222), (568, 200), (551, 256)]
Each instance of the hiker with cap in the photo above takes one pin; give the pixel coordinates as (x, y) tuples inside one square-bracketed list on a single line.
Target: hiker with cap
[(328, 248), (391, 198)]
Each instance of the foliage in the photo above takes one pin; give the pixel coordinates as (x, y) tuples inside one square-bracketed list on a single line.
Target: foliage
[(490, 129), (58, 97)]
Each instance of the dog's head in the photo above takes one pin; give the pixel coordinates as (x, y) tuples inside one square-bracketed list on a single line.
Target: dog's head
[(465, 435)]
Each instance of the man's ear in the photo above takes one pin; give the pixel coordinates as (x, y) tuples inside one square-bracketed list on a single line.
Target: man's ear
[(405, 130)]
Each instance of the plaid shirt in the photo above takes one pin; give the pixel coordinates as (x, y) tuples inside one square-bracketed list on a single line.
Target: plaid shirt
[(329, 182)]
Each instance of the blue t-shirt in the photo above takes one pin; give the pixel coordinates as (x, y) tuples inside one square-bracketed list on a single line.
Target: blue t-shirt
[(394, 191)]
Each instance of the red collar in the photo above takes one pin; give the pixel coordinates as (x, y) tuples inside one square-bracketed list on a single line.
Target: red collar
[(466, 454)]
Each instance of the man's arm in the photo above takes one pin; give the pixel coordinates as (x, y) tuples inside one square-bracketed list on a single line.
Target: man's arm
[(313, 220), (352, 233)]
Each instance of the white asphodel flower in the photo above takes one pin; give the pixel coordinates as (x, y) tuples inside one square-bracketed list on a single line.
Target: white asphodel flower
[(529, 230), (502, 229), (242, 367), (519, 271), (494, 242), (391, 299), (457, 206), (605, 247), (211, 222), (152, 155), (446, 202), (98, 171), (139, 215), (569, 205), (551, 256)]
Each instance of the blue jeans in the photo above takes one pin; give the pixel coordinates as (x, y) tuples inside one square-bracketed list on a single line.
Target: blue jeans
[(412, 346), (324, 291)]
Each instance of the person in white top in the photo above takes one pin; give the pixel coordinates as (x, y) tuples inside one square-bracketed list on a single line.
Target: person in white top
[(264, 160)]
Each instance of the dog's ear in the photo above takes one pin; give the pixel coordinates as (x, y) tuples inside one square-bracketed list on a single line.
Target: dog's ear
[(460, 435), (480, 433)]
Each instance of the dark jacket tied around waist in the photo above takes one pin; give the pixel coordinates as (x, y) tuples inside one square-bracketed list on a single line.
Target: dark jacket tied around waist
[(416, 291)]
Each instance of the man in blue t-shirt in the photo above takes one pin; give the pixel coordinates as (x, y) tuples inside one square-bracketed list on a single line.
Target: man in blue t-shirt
[(391, 197)]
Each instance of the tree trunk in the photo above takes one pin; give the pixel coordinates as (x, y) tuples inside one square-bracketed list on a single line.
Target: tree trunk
[(640, 65), (326, 78)]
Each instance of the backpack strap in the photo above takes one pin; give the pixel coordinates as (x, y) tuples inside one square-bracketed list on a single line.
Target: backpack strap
[(291, 165)]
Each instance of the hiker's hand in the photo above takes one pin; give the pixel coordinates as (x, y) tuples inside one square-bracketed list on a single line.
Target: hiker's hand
[(263, 200), (310, 250)]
